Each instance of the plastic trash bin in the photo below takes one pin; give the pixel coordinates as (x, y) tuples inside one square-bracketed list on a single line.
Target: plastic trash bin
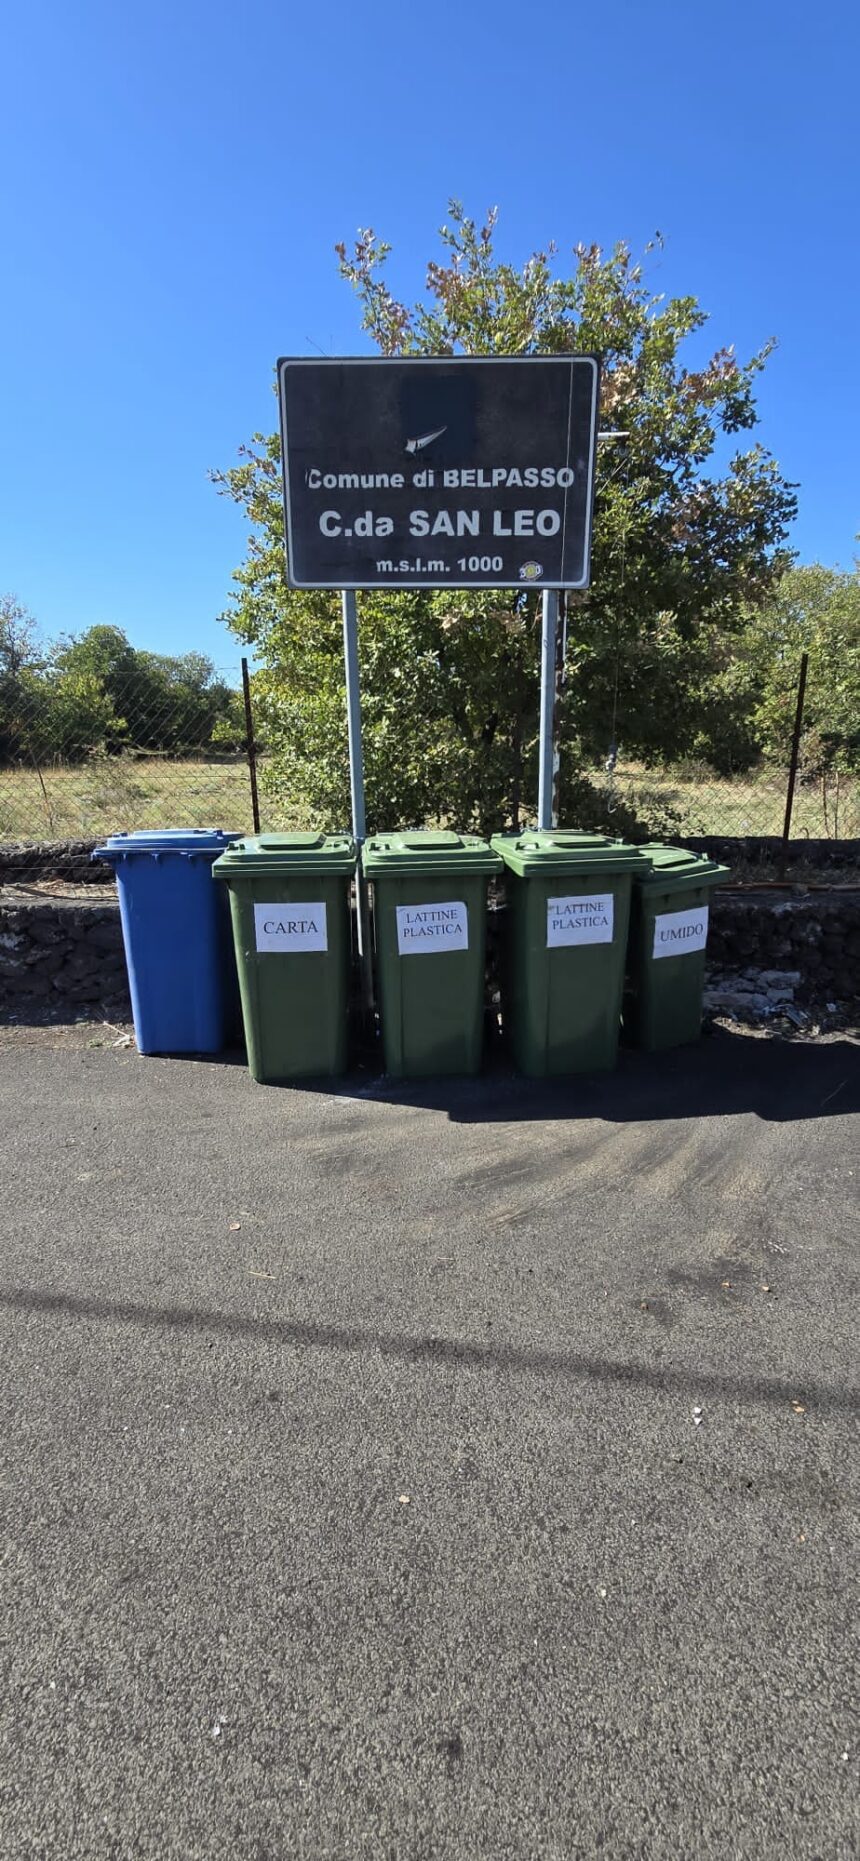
[(669, 931), (568, 897), (179, 957), (290, 907), (429, 919)]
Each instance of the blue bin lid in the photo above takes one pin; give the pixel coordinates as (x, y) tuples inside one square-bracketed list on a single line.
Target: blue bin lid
[(165, 840)]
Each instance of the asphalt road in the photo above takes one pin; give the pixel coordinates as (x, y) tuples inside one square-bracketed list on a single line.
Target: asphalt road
[(448, 1471)]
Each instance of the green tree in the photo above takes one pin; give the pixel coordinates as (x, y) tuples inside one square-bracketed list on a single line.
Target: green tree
[(20, 649), (21, 666), (814, 610), (160, 702), (449, 681), (97, 694)]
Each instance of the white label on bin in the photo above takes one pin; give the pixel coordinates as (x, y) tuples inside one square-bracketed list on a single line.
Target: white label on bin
[(585, 918), (290, 927), (428, 930), (676, 933)]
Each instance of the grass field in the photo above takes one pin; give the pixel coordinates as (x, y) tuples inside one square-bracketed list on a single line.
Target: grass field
[(120, 794), (116, 795), (752, 804)]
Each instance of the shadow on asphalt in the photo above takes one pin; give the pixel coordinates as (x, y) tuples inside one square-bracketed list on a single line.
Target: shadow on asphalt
[(292, 1334), (721, 1076)]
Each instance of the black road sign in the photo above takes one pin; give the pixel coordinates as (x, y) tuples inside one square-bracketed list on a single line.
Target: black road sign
[(439, 471)]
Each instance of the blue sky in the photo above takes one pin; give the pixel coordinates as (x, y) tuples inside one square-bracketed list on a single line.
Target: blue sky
[(175, 176)]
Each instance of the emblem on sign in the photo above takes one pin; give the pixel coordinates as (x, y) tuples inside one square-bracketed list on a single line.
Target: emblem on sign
[(531, 571), (417, 445)]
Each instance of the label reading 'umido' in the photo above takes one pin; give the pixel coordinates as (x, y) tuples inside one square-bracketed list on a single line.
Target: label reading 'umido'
[(677, 933), (291, 927), (429, 930), (585, 918)]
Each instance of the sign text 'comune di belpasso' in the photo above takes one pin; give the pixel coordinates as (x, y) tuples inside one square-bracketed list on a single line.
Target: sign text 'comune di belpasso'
[(429, 930), (679, 933), (584, 917), (435, 471), (286, 928)]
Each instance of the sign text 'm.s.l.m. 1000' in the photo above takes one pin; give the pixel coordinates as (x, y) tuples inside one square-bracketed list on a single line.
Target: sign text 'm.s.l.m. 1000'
[(439, 471)]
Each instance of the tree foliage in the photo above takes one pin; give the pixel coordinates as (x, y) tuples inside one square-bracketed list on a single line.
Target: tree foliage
[(98, 694), (815, 610), (682, 549)]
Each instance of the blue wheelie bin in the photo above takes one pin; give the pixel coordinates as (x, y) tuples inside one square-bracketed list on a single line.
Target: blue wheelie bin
[(178, 948)]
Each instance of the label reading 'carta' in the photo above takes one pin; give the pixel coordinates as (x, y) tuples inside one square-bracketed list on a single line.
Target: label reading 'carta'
[(429, 930), (586, 918), (290, 927), (677, 933)]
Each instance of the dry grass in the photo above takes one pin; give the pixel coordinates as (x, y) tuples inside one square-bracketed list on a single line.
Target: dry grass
[(119, 794), (752, 804), (122, 793)]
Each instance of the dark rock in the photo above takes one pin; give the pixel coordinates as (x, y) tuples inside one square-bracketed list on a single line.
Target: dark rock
[(85, 990), (33, 982), (47, 930), (48, 962), (81, 963), (104, 936)]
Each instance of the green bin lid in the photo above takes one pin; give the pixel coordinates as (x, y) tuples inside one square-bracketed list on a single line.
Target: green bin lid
[(674, 868), (564, 850), (426, 851), (271, 853)]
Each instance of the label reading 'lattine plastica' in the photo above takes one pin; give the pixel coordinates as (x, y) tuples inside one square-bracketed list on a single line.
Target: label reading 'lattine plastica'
[(429, 930), (678, 933), (291, 927), (585, 918)]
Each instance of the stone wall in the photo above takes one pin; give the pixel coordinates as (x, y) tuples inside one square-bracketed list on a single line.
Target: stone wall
[(70, 859), (816, 934), (769, 853), (26, 862), (60, 957)]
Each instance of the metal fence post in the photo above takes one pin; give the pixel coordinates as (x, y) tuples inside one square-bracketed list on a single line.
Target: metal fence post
[(356, 786), (795, 754), (250, 746), (560, 681), (549, 632)]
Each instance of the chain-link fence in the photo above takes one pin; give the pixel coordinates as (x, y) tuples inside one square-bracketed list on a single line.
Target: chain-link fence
[(807, 797), (690, 799), (84, 757)]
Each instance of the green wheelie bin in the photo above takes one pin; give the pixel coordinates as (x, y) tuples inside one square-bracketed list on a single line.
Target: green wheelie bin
[(429, 918), (568, 898), (290, 908), (669, 931)]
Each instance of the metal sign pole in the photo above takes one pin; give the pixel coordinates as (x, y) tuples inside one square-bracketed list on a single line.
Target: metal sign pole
[(356, 787), (250, 746), (560, 680), (549, 632), (353, 713)]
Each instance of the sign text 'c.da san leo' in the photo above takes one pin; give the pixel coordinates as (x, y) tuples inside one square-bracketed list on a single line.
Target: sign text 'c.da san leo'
[(454, 471)]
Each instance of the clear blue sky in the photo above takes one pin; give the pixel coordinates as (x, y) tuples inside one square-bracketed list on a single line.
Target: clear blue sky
[(175, 176)]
